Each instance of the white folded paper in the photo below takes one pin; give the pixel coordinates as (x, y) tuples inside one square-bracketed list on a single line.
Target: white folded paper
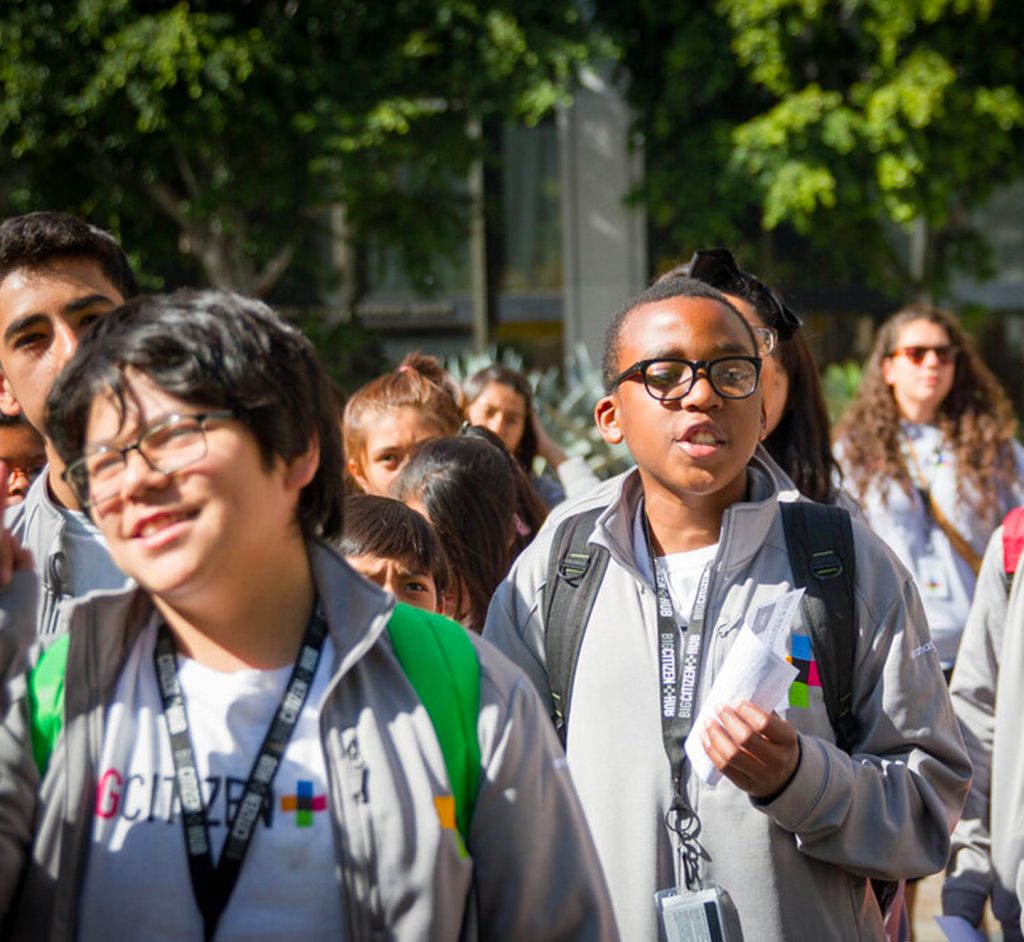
[(755, 669)]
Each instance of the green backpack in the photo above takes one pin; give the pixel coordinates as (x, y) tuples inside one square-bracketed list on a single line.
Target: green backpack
[(429, 647)]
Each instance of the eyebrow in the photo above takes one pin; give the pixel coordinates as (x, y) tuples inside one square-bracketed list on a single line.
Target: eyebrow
[(26, 321), (675, 353)]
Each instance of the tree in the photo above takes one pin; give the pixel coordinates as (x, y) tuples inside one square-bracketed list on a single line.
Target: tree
[(231, 127), (828, 123)]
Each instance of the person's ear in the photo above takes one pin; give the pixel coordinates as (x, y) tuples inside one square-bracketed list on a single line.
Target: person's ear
[(887, 371), (301, 469), (8, 404), (355, 470), (606, 415), (764, 422)]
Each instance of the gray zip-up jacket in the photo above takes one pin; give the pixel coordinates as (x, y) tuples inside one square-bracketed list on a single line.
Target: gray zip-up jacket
[(988, 697), (794, 867), (533, 872), (39, 526)]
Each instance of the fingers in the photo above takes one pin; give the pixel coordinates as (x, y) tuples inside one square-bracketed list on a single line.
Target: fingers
[(756, 750), (13, 556)]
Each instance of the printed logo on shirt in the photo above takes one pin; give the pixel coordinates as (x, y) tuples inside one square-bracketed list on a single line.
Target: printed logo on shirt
[(802, 658), (304, 803), (153, 797)]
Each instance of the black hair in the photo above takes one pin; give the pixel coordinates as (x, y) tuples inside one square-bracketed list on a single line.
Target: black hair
[(676, 286), (218, 350), (36, 240), (386, 528), (468, 489), (526, 450), (530, 509)]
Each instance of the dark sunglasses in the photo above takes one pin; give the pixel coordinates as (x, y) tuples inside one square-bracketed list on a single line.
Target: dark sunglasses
[(945, 354), (718, 268)]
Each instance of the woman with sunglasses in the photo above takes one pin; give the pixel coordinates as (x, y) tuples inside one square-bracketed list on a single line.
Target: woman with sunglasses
[(797, 425), (928, 449)]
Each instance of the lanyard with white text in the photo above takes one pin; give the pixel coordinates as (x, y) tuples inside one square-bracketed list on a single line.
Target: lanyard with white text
[(678, 695), (211, 885)]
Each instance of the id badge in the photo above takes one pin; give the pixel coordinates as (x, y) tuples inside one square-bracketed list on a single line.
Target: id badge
[(934, 582), (691, 916)]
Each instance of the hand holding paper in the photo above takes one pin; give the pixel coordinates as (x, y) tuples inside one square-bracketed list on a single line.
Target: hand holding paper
[(756, 672)]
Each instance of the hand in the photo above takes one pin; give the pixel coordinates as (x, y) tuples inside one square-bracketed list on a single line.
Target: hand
[(757, 751), (13, 557), (547, 447)]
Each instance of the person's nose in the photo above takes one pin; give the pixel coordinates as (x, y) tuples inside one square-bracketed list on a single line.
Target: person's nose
[(139, 474), (702, 394)]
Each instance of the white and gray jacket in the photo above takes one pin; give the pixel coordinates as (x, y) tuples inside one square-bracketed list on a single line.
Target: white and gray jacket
[(795, 867), (988, 697), (533, 872)]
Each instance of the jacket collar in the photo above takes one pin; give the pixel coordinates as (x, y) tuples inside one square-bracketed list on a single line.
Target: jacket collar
[(751, 517), (109, 622)]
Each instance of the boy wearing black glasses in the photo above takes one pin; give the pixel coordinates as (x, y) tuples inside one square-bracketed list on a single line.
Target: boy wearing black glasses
[(784, 846)]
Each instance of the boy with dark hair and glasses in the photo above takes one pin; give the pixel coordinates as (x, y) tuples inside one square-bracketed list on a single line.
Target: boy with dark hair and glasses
[(58, 276), (786, 844), (237, 747)]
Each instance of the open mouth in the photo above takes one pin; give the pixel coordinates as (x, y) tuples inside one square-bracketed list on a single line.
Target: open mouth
[(153, 525), (701, 442)]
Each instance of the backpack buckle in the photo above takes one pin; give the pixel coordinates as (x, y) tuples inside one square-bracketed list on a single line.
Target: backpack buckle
[(826, 564), (573, 567)]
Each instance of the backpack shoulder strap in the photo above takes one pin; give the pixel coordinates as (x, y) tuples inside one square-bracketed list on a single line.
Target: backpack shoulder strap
[(821, 554), (46, 700), (575, 572), (441, 663), (1013, 542)]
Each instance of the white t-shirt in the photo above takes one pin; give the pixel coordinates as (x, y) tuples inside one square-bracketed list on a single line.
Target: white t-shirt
[(682, 569), (138, 883)]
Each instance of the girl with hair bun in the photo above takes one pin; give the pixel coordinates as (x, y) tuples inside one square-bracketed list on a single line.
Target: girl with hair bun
[(389, 416)]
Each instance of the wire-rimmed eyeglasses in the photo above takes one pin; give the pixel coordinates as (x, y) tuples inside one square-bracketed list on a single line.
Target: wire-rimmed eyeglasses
[(172, 443), (670, 378)]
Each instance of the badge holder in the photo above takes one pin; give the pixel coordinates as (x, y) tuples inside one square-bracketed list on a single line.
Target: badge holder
[(691, 915)]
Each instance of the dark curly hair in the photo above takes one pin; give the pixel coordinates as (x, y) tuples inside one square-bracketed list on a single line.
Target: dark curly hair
[(976, 420)]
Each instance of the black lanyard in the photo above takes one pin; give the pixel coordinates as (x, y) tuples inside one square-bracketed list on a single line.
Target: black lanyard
[(678, 674), (213, 885)]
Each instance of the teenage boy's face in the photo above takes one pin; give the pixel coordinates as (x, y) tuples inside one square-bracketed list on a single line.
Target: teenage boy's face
[(695, 448), (216, 522), (43, 312)]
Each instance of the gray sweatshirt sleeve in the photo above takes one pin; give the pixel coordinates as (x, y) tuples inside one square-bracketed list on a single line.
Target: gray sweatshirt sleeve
[(19, 783), (969, 875), (887, 810), (536, 868)]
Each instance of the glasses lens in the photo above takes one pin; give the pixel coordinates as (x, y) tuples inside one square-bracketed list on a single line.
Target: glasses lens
[(668, 379), (944, 354), (766, 339), (733, 377), (173, 445)]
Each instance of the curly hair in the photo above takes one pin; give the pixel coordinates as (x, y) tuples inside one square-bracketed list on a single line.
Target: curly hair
[(976, 420)]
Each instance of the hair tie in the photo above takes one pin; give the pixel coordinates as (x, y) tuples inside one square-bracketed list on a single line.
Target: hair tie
[(521, 528), (404, 368)]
